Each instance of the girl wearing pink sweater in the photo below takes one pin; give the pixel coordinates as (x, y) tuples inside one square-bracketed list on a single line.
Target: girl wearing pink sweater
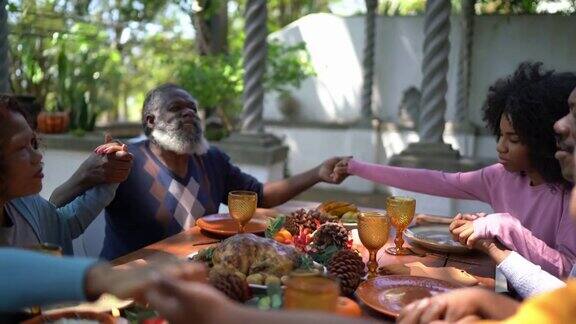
[(525, 189)]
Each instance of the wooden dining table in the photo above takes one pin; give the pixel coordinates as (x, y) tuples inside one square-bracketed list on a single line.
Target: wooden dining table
[(194, 239)]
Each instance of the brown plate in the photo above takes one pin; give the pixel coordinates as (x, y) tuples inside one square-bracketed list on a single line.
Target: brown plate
[(435, 237), (389, 294), (224, 225)]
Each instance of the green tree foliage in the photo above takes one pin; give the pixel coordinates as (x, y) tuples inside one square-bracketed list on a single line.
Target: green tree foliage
[(217, 80), (284, 12), (214, 80), (288, 66), (97, 57), (90, 56), (215, 75), (210, 20), (401, 7), (69, 56), (508, 7), (488, 7)]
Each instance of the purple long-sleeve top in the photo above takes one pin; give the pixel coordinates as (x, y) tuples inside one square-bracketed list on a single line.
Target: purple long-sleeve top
[(544, 233)]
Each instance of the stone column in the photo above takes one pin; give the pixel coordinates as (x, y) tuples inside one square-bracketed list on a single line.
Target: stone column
[(368, 61), (261, 154), (254, 66), (369, 118), (4, 58), (434, 71), (431, 152), (464, 63)]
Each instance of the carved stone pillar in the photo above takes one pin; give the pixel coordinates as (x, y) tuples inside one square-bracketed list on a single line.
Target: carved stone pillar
[(434, 71), (431, 152), (464, 63), (368, 61), (261, 154), (4, 58), (254, 66)]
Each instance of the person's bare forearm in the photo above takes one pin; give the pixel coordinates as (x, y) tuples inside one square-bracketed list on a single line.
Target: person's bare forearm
[(69, 190), (498, 254), (495, 250), (93, 171), (278, 192), (497, 307)]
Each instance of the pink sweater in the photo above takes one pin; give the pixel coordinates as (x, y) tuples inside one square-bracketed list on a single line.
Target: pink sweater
[(532, 220)]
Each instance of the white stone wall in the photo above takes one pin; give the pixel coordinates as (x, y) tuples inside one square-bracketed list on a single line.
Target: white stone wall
[(333, 95), (311, 146), (335, 45), (59, 165)]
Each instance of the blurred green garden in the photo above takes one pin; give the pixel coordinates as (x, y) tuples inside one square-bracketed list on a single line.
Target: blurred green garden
[(97, 58)]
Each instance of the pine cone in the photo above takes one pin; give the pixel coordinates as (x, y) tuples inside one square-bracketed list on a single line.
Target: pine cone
[(331, 234), (347, 265), (231, 285), (291, 225), (321, 217), (303, 218), (324, 218)]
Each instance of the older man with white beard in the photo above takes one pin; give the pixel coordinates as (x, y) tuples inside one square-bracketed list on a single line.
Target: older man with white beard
[(177, 177)]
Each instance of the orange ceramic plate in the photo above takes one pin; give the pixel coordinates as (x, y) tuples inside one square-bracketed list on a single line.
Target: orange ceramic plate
[(389, 294), (224, 225)]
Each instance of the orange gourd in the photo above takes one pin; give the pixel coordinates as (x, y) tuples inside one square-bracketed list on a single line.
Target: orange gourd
[(53, 122), (283, 236), (347, 307)]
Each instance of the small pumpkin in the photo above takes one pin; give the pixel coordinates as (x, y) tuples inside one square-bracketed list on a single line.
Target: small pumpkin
[(347, 307), (283, 236), (53, 122)]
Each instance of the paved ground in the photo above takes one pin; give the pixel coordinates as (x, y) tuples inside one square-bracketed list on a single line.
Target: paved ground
[(374, 200)]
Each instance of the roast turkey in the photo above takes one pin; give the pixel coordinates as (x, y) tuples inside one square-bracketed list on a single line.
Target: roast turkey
[(251, 254)]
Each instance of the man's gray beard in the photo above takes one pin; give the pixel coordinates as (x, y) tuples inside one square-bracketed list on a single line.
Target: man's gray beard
[(179, 141)]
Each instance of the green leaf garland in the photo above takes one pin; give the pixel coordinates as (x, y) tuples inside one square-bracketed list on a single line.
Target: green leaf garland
[(275, 225)]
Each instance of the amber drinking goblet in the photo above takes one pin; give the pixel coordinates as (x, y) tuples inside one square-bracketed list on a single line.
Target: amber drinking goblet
[(373, 230), (242, 205), (311, 293), (401, 211)]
